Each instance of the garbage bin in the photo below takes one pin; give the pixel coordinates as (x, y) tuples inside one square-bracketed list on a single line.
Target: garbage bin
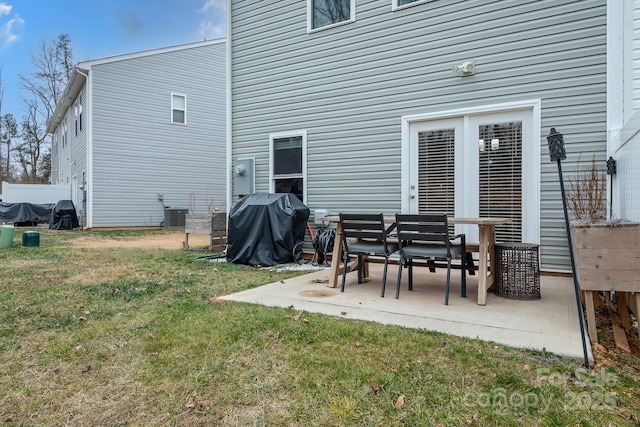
[(6, 236)]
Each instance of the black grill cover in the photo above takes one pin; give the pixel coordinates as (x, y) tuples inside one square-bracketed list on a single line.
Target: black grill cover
[(265, 228), (63, 216)]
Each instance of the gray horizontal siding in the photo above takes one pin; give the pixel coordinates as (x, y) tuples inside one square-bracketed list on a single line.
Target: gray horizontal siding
[(349, 86), (138, 152)]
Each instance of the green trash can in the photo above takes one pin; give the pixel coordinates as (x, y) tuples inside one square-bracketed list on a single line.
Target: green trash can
[(30, 239), (6, 236)]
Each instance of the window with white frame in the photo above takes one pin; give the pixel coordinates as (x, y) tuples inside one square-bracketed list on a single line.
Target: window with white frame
[(64, 135), (178, 108), (78, 115), (328, 13), (287, 163), (399, 4)]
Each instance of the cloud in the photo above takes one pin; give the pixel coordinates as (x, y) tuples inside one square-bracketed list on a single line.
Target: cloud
[(7, 35), (214, 5), (5, 9), (130, 23), (213, 25)]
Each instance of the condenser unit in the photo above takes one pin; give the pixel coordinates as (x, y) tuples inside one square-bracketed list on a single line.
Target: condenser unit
[(174, 217)]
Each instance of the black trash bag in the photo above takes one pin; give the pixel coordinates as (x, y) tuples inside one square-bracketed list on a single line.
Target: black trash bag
[(63, 216), (266, 229)]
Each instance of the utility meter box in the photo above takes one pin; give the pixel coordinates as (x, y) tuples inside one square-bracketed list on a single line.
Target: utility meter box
[(243, 177)]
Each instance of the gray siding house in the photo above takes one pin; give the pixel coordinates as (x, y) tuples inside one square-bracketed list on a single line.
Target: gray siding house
[(137, 132), (425, 105)]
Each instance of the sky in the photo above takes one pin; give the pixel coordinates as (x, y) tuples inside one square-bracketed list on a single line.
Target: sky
[(97, 28)]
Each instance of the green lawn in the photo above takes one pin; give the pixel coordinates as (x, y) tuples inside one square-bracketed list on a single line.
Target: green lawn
[(117, 336)]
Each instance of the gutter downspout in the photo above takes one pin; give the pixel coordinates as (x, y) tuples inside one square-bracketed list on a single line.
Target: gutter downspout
[(88, 185)]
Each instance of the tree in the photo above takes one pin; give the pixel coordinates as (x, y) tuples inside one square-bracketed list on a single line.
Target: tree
[(8, 134), (29, 151), (52, 67)]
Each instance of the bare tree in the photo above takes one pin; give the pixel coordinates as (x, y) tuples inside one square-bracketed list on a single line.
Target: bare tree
[(52, 66), (8, 134), (1, 123), (29, 151)]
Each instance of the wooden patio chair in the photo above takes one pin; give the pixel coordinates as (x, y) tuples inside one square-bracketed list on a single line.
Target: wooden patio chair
[(426, 236), (365, 235)]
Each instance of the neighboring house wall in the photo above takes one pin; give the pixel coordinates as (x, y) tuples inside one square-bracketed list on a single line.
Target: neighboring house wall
[(129, 151), (625, 145), (348, 89)]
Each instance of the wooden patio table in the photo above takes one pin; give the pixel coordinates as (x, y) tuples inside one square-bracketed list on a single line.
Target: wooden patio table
[(487, 235)]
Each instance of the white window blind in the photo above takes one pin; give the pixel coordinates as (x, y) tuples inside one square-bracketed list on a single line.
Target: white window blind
[(500, 177), (436, 160)]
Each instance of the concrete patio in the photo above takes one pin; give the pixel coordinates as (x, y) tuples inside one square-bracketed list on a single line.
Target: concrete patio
[(550, 324)]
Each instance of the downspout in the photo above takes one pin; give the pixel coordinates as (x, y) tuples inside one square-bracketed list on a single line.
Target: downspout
[(88, 185), (229, 111)]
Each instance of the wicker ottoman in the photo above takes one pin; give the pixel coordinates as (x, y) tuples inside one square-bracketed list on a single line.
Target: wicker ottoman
[(517, 271)]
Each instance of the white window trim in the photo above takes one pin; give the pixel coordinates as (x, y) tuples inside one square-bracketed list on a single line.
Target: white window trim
[(531, 204), (310, 28), (172, 108), (289, 134), (394, 4)]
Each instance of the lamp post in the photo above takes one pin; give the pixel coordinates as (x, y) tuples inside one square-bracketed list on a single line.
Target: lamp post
[(558, 153), (612, 169)]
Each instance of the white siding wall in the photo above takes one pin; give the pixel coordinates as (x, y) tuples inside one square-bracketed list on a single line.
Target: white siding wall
[(636, 54), (137, 151), (348, 87)]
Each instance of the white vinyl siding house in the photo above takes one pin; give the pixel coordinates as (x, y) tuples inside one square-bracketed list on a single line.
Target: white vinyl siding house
[(151, 133), (364, 92)]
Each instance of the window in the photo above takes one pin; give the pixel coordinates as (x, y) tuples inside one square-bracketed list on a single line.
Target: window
[(500, 177), (400, 4), (78, 114), (328, 13), (64, 135), (436, 160), (178, 108), (287, 163)]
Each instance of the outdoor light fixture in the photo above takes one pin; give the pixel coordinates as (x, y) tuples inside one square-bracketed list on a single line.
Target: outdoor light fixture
[(558, 153), (466, 68), (612, 169)]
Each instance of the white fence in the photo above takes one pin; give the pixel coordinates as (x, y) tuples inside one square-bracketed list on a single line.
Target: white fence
[(627, 193), (35, 193)]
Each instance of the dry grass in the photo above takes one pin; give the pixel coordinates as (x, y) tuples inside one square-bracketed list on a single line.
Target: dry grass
[(135, 336)]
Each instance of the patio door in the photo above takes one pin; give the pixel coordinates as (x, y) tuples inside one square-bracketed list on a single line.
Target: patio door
[(473, 165)]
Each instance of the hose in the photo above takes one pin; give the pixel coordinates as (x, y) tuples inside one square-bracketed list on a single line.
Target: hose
[(323, 244)]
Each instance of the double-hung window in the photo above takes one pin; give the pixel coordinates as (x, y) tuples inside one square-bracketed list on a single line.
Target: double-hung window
[(178, 108), (329, 13), (287, 163), (78, 115), (399, 4)]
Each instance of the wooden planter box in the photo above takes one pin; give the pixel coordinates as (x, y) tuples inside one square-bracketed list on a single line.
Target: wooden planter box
[(607, 259), (215, 225)]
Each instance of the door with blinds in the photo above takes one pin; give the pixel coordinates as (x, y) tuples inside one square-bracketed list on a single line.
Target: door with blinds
[(472, 166)]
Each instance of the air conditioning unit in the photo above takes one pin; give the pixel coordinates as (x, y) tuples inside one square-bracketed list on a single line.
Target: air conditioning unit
[(174, 217)]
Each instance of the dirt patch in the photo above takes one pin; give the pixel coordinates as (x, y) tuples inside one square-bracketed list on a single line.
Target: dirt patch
[(165, 241)]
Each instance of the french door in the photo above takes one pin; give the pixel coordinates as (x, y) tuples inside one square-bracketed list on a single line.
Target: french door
[(474, 165)]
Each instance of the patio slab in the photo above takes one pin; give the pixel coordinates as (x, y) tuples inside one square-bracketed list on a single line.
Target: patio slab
[(549, 324)]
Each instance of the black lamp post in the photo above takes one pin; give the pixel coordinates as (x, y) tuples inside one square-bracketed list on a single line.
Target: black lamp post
[(557, 153), (612, 169)]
